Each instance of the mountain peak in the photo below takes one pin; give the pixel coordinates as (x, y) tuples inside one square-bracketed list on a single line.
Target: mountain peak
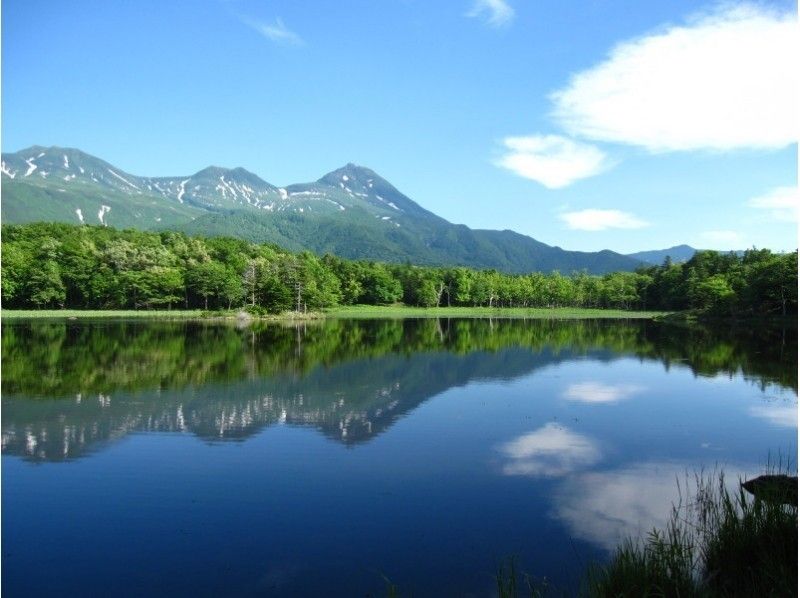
[(350, 172), (238, 174), (53, 151), (359, 179), (210, 171)]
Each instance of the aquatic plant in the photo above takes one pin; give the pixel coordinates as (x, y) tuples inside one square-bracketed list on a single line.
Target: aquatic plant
[(719, 541), (722, 542)]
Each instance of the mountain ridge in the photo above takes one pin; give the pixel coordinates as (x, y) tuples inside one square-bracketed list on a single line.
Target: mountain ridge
[(351, 211), (677, 254)]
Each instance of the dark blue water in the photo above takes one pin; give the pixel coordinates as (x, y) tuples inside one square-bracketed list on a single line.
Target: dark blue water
[(186, 459)]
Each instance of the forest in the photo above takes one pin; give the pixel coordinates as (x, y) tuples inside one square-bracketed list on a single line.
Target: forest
[(50, 265)]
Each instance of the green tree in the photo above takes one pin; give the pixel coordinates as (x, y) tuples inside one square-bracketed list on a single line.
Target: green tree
[(713, 294), (45, 287), (208, 280), (13, 273)]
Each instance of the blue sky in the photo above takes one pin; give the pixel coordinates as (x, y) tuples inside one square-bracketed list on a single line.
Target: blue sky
[(590, 124)]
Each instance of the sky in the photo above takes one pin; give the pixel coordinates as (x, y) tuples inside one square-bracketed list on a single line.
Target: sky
[(589, 124)]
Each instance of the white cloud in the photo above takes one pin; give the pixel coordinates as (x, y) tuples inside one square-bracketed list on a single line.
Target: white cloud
[(497, 12), (595, 220), (784, 416), (276, 32), (782, 202), (597, 392), (724, 80), (552, 160), (725, 238), (550, 451)]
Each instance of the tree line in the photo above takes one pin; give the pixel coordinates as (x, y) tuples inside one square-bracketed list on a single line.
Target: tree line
[(51, 265)]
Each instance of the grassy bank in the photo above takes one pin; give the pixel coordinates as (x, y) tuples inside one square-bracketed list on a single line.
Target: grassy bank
[(356, 311), (564, 313), (100, 313)]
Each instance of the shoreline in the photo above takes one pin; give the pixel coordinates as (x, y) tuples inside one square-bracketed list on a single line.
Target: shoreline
[(367, 312), (344, 312)]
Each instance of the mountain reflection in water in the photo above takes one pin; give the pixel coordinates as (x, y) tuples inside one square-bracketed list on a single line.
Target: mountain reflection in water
[(71, 387)]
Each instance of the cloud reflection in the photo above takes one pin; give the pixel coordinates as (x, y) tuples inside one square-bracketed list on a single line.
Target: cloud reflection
[(597, 392), (607, 507), (550, 451), (784, 416)]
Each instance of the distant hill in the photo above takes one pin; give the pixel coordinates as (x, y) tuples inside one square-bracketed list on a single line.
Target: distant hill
[(679, 253), (351, 212)]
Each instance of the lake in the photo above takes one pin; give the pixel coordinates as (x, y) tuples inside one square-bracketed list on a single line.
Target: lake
[(166, 458)]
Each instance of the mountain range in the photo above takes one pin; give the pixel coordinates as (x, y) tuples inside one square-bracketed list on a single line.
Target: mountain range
[(679, 253), (351, 212)]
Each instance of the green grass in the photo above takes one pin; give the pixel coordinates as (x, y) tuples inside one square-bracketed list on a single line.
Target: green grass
[(100, 313), (722, 542), (354, 311), (156, 314), (565, 313), (719, 542)]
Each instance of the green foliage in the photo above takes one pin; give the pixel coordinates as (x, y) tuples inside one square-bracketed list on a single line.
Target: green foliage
[(44, 287), (57, 265)]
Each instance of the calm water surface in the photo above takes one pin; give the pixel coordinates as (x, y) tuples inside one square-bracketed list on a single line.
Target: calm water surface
[(175, 458)]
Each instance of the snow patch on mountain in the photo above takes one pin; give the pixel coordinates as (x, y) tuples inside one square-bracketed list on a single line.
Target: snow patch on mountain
[(337, 204), (102, 214), (66, 162), (226, 187), (6, 171), (31, 166), (123, 179), (80, 214), (182, 190)]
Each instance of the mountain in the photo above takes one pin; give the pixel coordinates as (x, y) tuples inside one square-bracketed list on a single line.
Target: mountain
[(679, 253), (351, 212)]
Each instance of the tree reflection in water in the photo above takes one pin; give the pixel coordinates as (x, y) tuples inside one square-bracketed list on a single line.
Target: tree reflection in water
[(69, 387)]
